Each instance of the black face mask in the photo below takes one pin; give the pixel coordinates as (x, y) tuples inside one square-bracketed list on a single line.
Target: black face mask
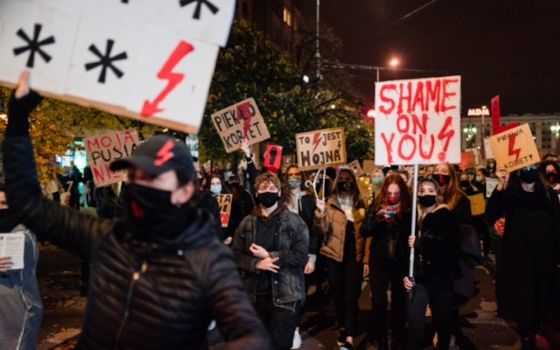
[(8, 220), (427, 200), (441, 179), (268, 199), (464, 183), (529, 176), (319, 187), (552, 178), (151, 216), (344, 186)]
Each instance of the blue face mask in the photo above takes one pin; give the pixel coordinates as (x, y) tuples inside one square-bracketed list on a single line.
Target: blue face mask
[(216, 189), (294, 182)]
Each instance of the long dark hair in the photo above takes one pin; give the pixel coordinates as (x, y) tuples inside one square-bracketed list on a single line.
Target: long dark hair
[(405, 198), (452, 193), (514, 183), (355, 190)]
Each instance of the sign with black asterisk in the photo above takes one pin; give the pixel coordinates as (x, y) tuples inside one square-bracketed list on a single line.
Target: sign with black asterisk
[(139, 58)]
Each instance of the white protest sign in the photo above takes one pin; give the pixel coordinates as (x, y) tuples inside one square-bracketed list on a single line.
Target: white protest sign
[(356, 167), (103, 149), (321, 148), (12, 245), (239, 121), (418, 121), (488, 149), (491, 184), (515, 148), (116, 55)]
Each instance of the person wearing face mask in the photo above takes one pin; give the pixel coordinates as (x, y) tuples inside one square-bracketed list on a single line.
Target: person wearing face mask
[(21, 309), (217, 188), (388, 221), (377, 181), (158, 275), (527, 277), (551, 171), (270, 248), (344, 247), (436, 266), (203, 198)]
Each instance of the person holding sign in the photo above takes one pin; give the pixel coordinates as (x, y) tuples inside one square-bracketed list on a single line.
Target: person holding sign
[(525, 276), (21, 309), (436, 267), (159, 275), (270, 247), (388, 221), (339, 220), (230, 211)]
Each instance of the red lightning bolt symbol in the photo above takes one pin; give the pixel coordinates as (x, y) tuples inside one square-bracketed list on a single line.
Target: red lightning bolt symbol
[(164, 154), (316, 140), (511, 150), (173, 79)]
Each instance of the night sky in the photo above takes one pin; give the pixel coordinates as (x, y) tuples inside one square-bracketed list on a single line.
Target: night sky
[(507, 47)]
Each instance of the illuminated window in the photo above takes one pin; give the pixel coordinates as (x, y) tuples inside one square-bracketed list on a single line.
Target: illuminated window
[(287, 17)]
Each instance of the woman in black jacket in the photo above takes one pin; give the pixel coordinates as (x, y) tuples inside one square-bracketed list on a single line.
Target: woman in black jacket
[(388, 221), (525, 274), (436, 266)]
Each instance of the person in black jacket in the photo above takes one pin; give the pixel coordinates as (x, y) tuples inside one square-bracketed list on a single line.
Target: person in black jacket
[(436, 266), (530, 262), (270, 248), (159, 275), (389, 222)]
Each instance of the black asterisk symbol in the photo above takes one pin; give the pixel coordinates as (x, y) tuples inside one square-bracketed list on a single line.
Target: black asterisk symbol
[(213, 8), (34, 45), (106, 60)]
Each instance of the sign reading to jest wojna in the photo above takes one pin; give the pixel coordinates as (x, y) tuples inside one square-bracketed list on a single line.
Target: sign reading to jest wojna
[(321, 148)]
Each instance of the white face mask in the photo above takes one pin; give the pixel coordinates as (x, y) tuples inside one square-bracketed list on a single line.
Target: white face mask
[(216, 189)]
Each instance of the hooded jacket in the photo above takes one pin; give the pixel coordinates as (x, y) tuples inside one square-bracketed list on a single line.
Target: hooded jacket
[(141, 296)]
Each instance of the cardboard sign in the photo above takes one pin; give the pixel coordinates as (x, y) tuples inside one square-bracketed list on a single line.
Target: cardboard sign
[(240, 121), (356, 168), (418, 121), (273, 158), (369, 166), (515, 148), (321, 148), (88, 52), (491, 184), (468, 160), (224, 202), (478, 204), (103, 149)]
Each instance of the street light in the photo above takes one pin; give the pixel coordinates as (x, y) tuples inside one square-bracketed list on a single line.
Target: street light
[(394, 62), (556, 130)]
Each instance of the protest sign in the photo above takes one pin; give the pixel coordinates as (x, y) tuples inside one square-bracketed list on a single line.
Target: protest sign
[(224, 202), (491, 184), (478, 204), (273, 158), (356, 168), (321, 148), (515, 148), (103, 149), (239, 121), (12, 245), (369, 166), (488, 149), (88, 52), (418, 121)]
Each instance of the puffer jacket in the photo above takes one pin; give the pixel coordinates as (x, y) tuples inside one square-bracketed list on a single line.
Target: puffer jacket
[(292, 243), (21, 309), (332, 224), (141, 296)]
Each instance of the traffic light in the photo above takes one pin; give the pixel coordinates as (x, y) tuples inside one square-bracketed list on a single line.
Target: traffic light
[(370, 113)]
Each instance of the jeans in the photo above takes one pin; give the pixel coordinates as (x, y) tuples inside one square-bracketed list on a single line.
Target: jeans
[(380, 280), (281, 323), (439, 295), (345, 279)]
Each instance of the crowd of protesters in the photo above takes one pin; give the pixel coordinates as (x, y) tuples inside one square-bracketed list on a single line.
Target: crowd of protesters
[(163, 267)]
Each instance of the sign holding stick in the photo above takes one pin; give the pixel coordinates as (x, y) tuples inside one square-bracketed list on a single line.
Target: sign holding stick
[(321, 148), (224, 202), (515, 148), (239, 121), (103, 149)]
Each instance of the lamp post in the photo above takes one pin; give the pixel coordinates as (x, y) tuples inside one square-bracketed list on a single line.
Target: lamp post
[(470, 132), (394, 62)]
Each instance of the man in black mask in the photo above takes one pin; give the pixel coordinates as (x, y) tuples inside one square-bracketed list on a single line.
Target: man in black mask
[(159, 275)]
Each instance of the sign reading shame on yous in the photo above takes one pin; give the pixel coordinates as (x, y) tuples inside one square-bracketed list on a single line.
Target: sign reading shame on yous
[(418, 121), (90, 52), (239, 121), (321, 148), (103, 149)]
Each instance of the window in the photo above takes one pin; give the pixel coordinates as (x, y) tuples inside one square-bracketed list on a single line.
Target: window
[(287, 17)]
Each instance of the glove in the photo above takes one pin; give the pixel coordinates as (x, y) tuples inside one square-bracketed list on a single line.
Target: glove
[(19, 110)]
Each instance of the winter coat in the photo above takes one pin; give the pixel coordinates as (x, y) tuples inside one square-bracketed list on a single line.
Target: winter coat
[(21, 309), (332, 224), (530, 256), (141, 296), (292, 245), (389, 244)]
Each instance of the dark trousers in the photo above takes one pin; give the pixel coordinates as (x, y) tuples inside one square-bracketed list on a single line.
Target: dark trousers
[(439, 295), (281, 323), (379, 282), (345, 279), (481, 227)]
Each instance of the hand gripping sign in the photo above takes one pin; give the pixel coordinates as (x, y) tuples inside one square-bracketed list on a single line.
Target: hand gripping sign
[(149, 60), (418, 121)]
